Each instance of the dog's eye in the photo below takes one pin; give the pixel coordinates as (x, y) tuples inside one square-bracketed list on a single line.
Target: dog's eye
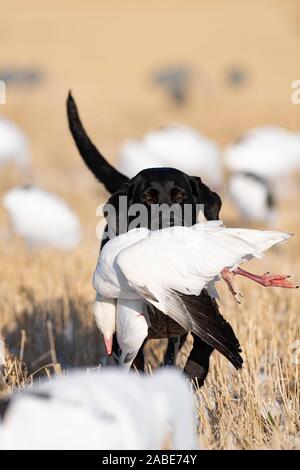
[(179, 197), (150, 198)]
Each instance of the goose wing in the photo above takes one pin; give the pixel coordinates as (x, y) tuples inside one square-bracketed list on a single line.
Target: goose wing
[(172, 266), (169, 275)]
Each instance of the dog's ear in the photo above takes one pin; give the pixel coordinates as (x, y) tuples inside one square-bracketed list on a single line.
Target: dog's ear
[(134, 187), (203, 195), (127, 191), (130, 189), (115, 210)]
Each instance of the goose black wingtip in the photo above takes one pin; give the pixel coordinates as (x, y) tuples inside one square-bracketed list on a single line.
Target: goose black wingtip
[(237, 361), (211, 326)]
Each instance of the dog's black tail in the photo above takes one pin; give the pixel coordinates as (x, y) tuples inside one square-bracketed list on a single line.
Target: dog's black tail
[(104, 172)]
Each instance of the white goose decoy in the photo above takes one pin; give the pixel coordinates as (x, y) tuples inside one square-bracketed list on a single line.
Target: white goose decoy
[(14, 145), (175, 146), (170, 269), (102, 411), (134, 156), (42, 218), (269, 151), (2, 354), (253, 197)]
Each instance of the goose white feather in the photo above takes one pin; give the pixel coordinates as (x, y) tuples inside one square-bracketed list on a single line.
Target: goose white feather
[(104, 410), (131, 327), (169, 268), (42, 218)]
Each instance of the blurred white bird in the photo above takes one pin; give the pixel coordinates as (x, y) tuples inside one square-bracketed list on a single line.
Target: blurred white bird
[(253, 197), (269, 151), (174, 146), (170, 269), (42, 218), (134, 157), (104, 411), (14, 145), (2, 353)]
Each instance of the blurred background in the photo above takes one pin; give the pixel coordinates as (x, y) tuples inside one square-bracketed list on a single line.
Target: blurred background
[(107, 52), (218, 66), (242, 56)]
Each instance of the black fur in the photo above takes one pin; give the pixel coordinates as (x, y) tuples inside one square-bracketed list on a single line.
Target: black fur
[(104, 172)]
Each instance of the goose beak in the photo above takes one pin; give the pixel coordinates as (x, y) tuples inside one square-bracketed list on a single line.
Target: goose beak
[(108, 345)]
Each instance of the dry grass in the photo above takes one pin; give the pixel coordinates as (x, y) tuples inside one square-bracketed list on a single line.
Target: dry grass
[(255, 408), (104, 51)]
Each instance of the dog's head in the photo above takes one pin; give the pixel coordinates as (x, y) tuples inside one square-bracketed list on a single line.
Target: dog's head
[(171, 187), (157, 190)]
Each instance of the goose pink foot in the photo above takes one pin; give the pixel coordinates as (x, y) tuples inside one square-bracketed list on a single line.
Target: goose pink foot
[(233, 287), (267, 279)]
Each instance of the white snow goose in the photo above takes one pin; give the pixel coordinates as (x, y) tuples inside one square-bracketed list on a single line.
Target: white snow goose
[(268, 151), (14, 145), (101, 410), (168, 269), (175, 146), (253, 197), (42, 218)]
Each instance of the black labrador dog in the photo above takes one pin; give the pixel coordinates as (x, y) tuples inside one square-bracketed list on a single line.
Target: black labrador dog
[(150, 187)]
